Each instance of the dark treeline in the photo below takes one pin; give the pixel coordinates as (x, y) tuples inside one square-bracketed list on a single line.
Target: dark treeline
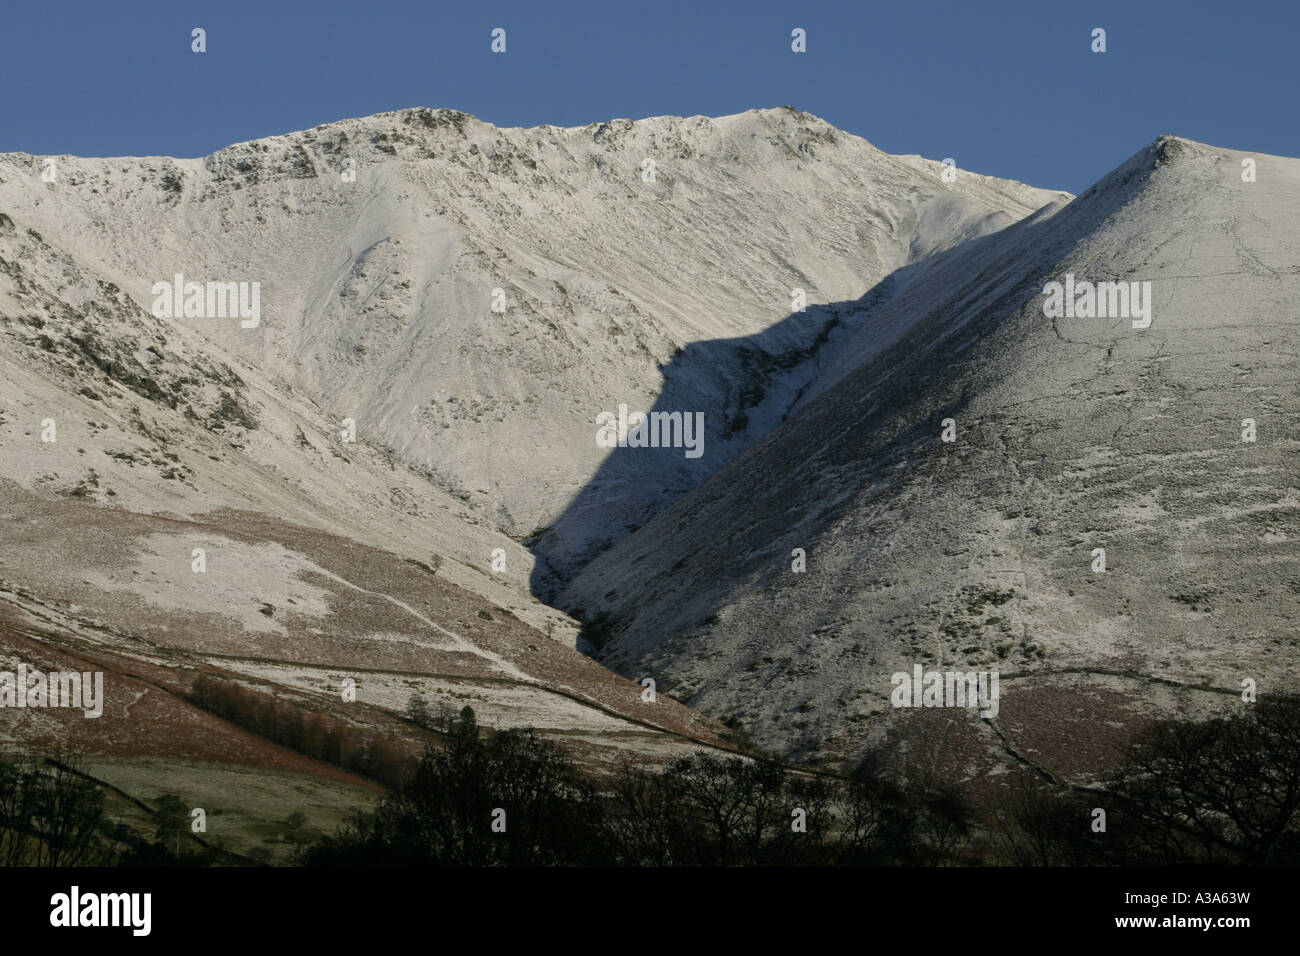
[(1223, 791), (1220, 791), (53, 814), (702, 810), (319, 736), (50, 815)]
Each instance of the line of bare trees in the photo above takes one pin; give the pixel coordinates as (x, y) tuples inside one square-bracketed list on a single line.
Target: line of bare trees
[(50, 815), (1225, 790), (1221, 791), (512, 798), (316, 735)]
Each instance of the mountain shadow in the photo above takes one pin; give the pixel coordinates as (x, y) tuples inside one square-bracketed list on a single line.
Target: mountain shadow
[(750, 385)]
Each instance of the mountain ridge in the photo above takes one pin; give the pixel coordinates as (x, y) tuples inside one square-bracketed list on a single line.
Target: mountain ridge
[(915, 546), (377, 291)]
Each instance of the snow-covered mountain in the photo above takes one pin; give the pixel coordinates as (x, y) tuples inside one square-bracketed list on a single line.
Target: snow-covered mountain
[(1169, 440), (471, 300), (620, 250)]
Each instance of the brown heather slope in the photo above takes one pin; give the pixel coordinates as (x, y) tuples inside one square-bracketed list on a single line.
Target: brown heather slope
[(291, 611), (144, 713)]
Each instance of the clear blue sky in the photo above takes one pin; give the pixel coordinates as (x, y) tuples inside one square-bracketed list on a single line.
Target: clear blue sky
[(1005, 87)]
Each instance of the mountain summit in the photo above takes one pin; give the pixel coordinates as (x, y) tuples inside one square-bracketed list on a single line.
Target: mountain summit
[(473, 297), (1104, 511)]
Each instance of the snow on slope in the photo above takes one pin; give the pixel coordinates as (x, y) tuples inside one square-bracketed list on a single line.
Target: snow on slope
[(475, 429), (296, 611), (377, 293), (151, 417), (1072, 434)]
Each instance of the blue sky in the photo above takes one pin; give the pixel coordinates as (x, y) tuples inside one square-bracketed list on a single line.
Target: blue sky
[(1005, 88)]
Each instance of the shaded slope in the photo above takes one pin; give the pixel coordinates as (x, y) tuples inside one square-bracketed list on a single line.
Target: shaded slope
[(1072, 435)]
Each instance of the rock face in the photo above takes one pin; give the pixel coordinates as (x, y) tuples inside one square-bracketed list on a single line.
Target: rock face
[(1072, 434)]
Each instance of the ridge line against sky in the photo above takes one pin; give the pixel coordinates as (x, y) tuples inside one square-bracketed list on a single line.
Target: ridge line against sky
[(1009, 89)]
